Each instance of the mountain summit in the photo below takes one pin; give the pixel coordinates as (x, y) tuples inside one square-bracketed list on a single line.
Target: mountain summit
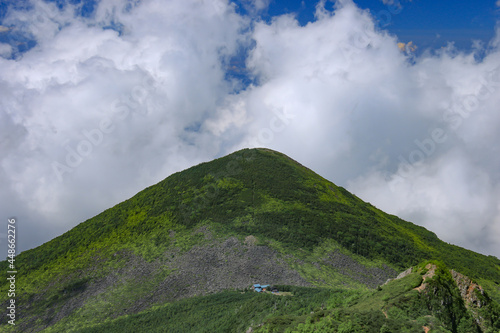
[(254, 216)]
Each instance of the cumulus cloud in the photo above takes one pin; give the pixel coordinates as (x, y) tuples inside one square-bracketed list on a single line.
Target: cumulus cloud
[(5, 50), (416, 137), (91, 115), (261, 4), (255, 6)]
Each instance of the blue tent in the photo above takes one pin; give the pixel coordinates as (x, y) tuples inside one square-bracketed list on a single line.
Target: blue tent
[(259, 288)]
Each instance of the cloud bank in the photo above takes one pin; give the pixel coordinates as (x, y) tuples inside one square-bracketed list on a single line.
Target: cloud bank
[(91, 115)]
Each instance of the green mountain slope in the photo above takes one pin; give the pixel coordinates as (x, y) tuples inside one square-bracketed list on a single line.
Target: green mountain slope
[(253, 216), (423, 299)]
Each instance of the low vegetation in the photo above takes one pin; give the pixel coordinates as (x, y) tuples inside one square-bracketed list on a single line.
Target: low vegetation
[(398, 306)]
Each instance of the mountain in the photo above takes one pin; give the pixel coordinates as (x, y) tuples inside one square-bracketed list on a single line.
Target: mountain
[(181, 254)]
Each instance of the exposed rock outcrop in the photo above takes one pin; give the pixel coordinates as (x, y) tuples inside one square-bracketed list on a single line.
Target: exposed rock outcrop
[(227, 265), (370, 276), (400, 275), (468, 290), (431, 271)]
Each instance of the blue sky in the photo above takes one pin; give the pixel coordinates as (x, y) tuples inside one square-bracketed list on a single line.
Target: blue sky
[(429, 24), (397, 103)]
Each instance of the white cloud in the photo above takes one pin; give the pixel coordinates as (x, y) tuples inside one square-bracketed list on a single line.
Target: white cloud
[(261, 4), (5, 50), (255, 6), (129, 105), (360, 106)]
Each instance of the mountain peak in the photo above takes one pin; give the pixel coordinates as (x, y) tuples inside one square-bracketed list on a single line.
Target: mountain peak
[(253, 215)]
